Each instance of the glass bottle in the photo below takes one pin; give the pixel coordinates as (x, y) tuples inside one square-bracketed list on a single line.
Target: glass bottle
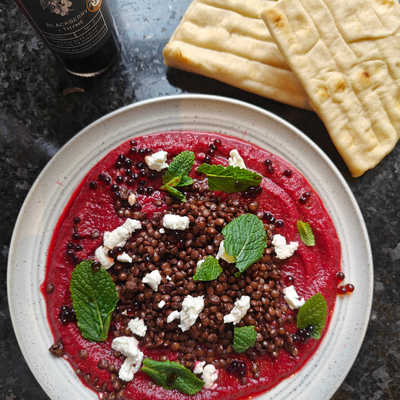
[(80, 33)]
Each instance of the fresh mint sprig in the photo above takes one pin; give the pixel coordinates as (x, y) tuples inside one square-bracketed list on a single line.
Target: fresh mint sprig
[(229, 179), (245, 239), (313, 313), (172, 375), (94, 299), (208, 270), (243, 338), (177, 174), (306, 233)]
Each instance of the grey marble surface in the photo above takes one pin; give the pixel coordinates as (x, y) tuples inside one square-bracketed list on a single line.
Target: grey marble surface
[(36, 119)]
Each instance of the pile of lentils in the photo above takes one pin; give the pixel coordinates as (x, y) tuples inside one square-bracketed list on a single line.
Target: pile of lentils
[(175, 254)]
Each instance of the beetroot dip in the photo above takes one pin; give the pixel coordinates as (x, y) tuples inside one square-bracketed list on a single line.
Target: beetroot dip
[(100, 204)]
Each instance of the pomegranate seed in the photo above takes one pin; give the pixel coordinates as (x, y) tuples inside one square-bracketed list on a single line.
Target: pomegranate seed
[(340, 276), (341, 290), (287, 173), (211, 152), (304, 197), (349, 288)]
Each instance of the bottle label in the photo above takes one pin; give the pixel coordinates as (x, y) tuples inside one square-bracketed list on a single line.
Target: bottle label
[(71, 28)]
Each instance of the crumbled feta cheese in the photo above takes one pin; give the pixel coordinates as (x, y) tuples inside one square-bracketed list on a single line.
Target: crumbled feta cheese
[(124, 312), (239, 310), (236, 160), (131, 225), (199, 367), (176, 222), (282, 249), (132, 199), (116, 238), (224, 255), (162, 231), (137, 327), (101, 254), (292, 298), (129, 347), (157, 161), (173, 316), (153, 279), (199, 263), (124, 257), (191, 308), (210, 375), (161, 304), (168, 277)]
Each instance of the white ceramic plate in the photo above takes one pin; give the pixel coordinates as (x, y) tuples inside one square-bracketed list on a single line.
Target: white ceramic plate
[(325, 371)]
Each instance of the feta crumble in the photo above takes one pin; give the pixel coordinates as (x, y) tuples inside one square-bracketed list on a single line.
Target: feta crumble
[(210, 375), (162, 231), (224, 255), (137, 327), (173, 316), (292, 298), (239, 310), (157, 161), (129, 347), (116, 238), (176, 222), (199, 367), (161, 304), (236, 160), (191, 308), (282, 249), (101, 254), (124, 257), (153, 279)]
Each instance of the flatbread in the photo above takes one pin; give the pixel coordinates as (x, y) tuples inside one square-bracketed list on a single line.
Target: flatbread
[(226, 40), (346, 54)]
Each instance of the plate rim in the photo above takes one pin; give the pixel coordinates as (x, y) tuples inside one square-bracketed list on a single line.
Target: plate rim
[(192, 97)]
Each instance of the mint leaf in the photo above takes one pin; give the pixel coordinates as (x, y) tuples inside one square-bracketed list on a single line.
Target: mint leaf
[(208, 270), (243, 338), (313, 313), (229, 179), (177, 174), (181, 165), (174, 192), (306, 233), (172, 375), (94, 299), (245, 239)]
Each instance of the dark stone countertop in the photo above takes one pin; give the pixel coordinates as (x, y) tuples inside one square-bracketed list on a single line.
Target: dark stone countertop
[(36, 119)]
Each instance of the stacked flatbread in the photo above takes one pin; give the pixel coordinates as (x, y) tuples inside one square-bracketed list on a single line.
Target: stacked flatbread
[(226, 40), (346, 54)]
